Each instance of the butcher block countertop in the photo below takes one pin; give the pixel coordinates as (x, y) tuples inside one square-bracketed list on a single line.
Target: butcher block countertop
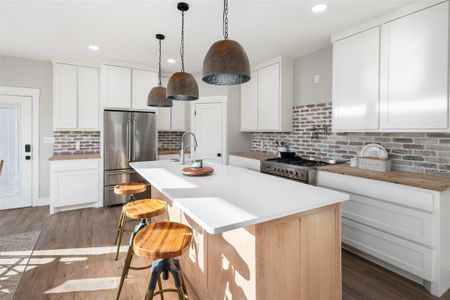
[(75, 156), (429, 182), (254, 155)]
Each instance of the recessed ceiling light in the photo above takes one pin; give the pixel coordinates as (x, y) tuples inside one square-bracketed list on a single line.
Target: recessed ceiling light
[(94, 47), (319, 8), (171, 61)]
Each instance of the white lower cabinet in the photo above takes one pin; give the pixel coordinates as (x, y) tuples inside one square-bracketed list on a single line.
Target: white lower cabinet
[(413, 258), (400, 227), (244, 162), (74, 184)]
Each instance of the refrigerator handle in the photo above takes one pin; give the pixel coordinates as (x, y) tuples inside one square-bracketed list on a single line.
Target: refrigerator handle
[(128, 139), (134, 139)]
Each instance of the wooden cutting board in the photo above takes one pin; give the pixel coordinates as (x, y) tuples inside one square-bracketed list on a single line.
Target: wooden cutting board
[(198, 172)]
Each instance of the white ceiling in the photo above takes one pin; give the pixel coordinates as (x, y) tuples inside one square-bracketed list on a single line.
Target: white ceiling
[(125, 30)]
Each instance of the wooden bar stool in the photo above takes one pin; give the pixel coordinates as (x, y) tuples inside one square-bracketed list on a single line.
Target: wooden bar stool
[(144, 210), (163, 242), (129, 188)]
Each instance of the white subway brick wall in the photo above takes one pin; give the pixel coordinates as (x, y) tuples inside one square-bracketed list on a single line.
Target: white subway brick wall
[(65, 142), (418, 152), (169, 140)]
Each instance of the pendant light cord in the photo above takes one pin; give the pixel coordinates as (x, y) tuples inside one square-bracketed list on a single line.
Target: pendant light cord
[(225, 19), (182, 42), (159, 70)]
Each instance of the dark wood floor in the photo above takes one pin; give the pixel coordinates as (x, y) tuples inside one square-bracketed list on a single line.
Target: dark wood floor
[(74, 259)]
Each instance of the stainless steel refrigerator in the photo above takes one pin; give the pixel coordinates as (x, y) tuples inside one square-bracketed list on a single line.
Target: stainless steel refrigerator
[(128, 137)]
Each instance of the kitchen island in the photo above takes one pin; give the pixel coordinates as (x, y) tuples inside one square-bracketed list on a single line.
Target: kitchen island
[(256, 236)]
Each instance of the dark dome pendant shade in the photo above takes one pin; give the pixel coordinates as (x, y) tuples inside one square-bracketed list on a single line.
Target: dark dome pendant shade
[(226, 62), (182, 85), (157, 96)]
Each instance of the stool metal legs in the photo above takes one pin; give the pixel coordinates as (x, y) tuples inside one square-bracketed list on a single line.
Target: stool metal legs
[(127, 266), (121, 229), (118, 228), (161, 267)]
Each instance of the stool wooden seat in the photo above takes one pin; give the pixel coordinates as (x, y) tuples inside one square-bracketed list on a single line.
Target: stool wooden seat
[(145, 208), (130, 188), (162, 240), (138, 209)]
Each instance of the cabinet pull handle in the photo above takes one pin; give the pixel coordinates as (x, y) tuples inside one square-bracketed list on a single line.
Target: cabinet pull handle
[(128, 139)]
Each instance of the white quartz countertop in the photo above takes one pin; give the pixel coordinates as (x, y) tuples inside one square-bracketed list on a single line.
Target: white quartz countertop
[(233, 197)]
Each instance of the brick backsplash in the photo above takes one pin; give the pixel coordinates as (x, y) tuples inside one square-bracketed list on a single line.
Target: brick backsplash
[(418, 152), (169, 140), (65, 142)]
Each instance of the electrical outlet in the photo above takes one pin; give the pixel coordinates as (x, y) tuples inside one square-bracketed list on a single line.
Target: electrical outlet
[(77, 145), (49, 140), (316, 79)]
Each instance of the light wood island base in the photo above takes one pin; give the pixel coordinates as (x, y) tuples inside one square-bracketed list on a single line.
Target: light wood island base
[(295, 257)]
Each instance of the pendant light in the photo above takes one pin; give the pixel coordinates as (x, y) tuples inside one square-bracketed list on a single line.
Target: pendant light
[(182, 86), (226, 62), (157, 95)]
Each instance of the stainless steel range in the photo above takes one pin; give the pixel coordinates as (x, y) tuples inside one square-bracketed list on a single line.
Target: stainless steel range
[(297, 168)]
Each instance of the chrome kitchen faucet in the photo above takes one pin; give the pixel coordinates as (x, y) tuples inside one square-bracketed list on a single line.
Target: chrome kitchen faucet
[(195, 145)]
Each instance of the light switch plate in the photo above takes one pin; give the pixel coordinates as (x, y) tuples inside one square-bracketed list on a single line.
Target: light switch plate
[(49, 140), (316, 79)]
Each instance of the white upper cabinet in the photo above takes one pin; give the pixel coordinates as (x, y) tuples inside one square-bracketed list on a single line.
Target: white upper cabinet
[(65, 103), (356, 81), (76, 97), (414, 82), (116, 86), (171, 118), (267, 100), (88, 98), (143, 82), (269, 97), (394, 75), (163, 119), (178, 116), (249, 104)]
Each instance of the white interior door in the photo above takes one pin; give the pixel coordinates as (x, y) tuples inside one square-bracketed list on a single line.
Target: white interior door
[(209, 130), (15, 134)]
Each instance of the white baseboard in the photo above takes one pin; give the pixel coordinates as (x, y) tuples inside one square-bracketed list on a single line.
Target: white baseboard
[(43, 201)]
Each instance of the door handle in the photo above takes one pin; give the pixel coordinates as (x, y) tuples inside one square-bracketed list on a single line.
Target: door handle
[(27, 148), (27, 157), (128, 139), (219, 154), (134, 140)]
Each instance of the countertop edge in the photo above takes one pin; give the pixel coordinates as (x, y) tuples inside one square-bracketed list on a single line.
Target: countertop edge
[(408, 180), (74, 156)]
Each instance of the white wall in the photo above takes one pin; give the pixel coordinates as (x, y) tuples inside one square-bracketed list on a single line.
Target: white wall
[(21, 72), (306, 67)]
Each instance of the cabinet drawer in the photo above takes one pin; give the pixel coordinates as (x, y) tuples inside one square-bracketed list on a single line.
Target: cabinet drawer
[(405, 255), (414, 225), (73, 165), (390, 192)]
